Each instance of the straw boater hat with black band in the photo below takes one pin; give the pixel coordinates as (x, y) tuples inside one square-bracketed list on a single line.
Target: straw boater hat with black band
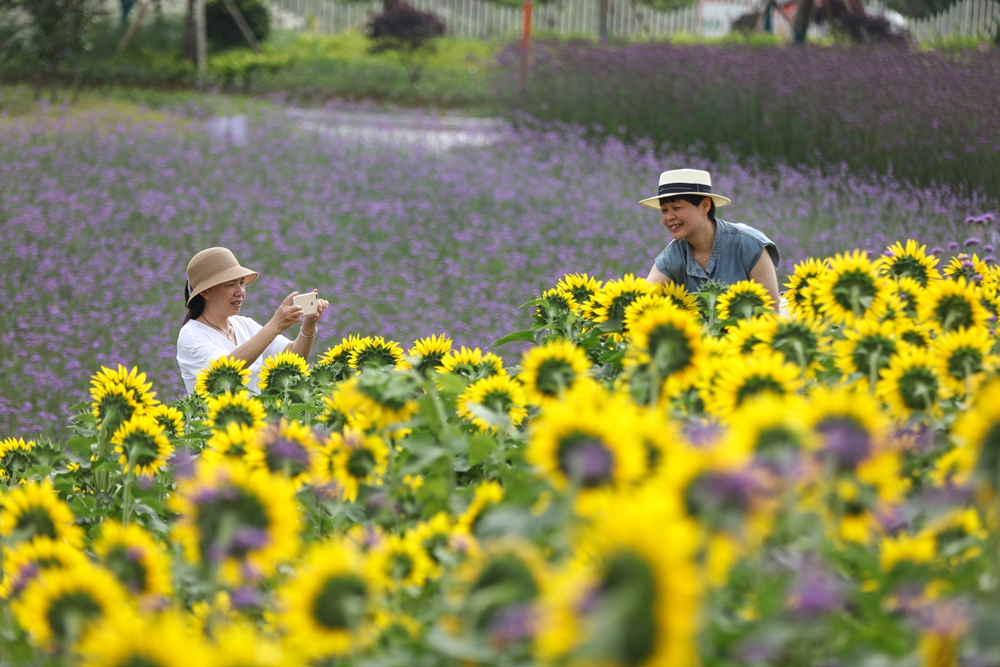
[(211, 267), (678, 182)]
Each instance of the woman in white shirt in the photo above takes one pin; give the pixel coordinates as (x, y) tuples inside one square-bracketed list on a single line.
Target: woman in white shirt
[(214, 328)]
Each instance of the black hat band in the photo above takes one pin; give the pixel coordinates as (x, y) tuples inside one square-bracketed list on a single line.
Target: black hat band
[(678, 188)]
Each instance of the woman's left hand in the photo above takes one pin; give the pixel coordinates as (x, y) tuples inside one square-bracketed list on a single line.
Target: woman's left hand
[(321, 305)]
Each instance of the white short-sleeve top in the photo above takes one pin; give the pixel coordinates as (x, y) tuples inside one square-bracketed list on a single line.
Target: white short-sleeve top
[(199, 344)]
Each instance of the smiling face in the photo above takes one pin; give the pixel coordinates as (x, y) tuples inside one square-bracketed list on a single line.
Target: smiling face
[(682, 218), (226, 299)]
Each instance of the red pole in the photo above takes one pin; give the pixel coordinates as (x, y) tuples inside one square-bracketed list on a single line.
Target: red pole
[(526, 35)]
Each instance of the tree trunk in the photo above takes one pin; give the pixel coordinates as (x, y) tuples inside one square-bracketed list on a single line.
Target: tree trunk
[(803, 12), (190, 51), (602, 25)]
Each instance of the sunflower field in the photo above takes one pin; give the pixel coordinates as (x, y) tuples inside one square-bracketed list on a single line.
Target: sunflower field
[(661, 478)]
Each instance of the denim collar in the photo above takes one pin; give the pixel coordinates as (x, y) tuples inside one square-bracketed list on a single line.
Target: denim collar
[(693, 267)]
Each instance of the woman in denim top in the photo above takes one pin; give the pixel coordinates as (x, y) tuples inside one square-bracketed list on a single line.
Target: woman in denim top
[(704, 247)]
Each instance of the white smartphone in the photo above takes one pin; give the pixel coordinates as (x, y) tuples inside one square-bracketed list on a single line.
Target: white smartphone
[(308, 301)]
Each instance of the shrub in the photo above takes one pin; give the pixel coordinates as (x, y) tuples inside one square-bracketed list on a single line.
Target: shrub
[(408, 32), (221, 26)]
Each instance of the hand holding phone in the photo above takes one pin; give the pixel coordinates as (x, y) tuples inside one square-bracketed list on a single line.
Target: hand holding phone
[(308, 302)]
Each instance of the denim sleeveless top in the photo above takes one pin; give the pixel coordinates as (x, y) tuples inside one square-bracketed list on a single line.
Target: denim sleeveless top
[(735, 252)]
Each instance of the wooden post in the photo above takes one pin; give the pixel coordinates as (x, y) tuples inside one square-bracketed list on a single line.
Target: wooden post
[(526, 34), (602, 21), (201, 38), (243, 25), (132, 29)]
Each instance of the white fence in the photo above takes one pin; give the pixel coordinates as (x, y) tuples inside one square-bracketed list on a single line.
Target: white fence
[(479, 18), (966, 18)]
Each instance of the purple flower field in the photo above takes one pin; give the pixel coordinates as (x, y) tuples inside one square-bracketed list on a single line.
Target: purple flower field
[(100, 214)]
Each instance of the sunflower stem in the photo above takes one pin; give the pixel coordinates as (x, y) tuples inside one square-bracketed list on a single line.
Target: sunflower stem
[(127, 499)]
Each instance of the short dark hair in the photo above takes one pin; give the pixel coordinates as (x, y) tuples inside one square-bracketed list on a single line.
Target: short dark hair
[(694, 200), (195, 308)]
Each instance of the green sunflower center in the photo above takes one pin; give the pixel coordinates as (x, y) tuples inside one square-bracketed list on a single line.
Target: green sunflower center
[(872, 353), (140, 661), (35, 522), (796, 342), (506, 581), (586, 459), (948, 537), (775, 441), (284, 376), (127, 567), (140, 449), (743, 304), (340, 603), (360, 464), (223, 379), (953, 312), (914, 337), (68, 612), (619, 304), (798, 286), (333, 419), (627, 596), (918, 388), (758, 384), (379, 357), (401, 567), (854, 291), (964, 362), (908, 266), (233, 414), (498, 400), (669, 348), (554, 376), (223, 514)]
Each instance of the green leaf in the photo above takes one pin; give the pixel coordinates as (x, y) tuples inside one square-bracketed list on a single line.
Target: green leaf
[(525, 335), (81, 446), (481, 445), (451, 383)]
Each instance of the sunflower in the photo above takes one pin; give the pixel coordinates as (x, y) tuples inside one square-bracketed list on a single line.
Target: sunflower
[(589, 442), (774, 429), (865, 350), (472, 364), (230, 441), (917, 549), (963, 358), (952, 304), (747, 336), (283, 371), (909, 261), (554, 306), (34, 510), (553, 370), (669, 341), (971, 268), (959, 535), (400, 562), (350, 460), (977, 433), (804, 276), (133, 381), (608, 306), (13, 451), (328, 607), (376, 351), (856, 503), (913, 333), (905, 299), (801, 342), (639, 604), (134, 557), (163, 640), (581, 287), (113, 405), (239, 408), (287, 449), (742, 300), (334, 365), (493, 402), (678, 295), (170, 418), (743, 377), (62, 607), (499, 589), (911, 384), (222, 375), (241, 644), (142, 447), (245, 521), (341, 408), (381, 398), (434, 536), (851, 289), (30, 559), (486, 495), (849, 424), (429, 352)]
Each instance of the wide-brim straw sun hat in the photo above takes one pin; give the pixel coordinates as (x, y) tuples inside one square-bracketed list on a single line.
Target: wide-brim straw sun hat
[(678, 182), (214, 266)]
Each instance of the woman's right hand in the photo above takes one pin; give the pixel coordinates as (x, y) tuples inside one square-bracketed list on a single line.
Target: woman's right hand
[(286, 315)]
